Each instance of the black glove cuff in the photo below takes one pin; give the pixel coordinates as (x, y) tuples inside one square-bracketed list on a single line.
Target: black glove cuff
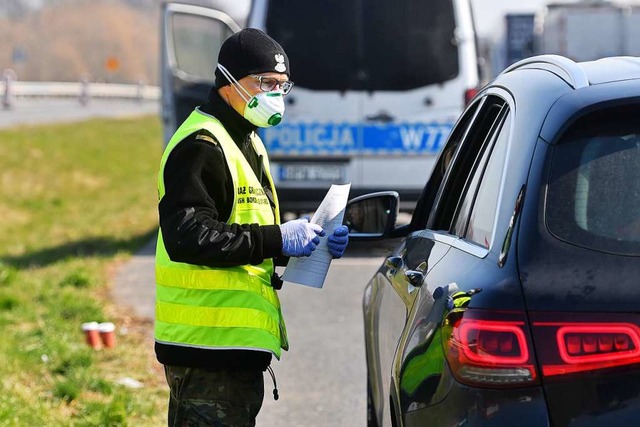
[(276, 281)]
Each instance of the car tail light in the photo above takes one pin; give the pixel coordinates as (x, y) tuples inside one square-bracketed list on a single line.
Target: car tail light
[(469, 94), (567, 347), (489, 349), (495, 348)]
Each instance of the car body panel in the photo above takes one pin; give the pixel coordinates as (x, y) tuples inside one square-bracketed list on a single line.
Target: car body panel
[(468, 406), (392, 298), (525, 269), (579, 102), (562, 277), (393, 303), (565, 275), (598, 399), (421, 352)]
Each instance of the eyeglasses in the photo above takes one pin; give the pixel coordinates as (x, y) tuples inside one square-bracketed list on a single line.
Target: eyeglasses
[(267, 84)]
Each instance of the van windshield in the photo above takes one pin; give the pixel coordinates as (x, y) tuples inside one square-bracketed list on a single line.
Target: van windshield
[(366, 45)]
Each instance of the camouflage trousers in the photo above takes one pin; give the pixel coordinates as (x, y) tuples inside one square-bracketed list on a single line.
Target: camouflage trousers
[(200, 397)]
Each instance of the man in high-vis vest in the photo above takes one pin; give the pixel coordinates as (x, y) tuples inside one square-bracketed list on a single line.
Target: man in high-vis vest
[(218, 318)]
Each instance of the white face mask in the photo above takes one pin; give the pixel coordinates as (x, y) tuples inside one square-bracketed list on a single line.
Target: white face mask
[(264, 109)]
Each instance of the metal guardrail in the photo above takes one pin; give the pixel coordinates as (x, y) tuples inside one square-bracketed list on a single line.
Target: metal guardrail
[(11, 88), (70, 89)]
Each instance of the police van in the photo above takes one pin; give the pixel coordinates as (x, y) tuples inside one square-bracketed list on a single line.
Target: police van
[(378, 85)]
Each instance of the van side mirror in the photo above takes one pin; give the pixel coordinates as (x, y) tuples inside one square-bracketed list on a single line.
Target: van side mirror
[(372, 216)]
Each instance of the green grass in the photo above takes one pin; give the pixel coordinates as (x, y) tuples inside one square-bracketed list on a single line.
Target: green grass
[(76, 200)]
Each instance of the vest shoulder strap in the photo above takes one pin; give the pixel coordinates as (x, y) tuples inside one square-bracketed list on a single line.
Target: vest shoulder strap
[(207, 136)]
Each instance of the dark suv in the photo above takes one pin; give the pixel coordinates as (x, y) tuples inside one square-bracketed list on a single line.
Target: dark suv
[(514, 298)]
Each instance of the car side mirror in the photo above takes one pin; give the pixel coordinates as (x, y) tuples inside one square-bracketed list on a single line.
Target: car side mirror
[(372, 216)]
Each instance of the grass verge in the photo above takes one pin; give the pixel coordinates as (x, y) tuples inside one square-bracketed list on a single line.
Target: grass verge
[(75, 201)]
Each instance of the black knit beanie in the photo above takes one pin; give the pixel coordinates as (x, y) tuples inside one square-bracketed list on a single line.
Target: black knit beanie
[(250, 51)]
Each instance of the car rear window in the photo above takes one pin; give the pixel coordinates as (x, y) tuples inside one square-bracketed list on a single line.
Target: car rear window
[(366, 45), (593, 197)]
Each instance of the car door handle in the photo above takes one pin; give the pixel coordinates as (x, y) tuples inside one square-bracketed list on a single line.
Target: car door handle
[(415, 277)]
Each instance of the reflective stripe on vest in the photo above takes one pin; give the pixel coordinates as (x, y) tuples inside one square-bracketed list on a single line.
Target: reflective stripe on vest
[(221, 308)]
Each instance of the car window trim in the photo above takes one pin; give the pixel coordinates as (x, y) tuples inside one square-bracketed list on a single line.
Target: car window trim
[(471, 248), (445, 181), (488, 144), (503, 180), (423, 211), (511, 113), (506, 116), (447, 174)]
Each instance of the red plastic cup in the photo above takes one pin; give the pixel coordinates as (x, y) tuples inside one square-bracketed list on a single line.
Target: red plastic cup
[(107, 334), (92, 334)]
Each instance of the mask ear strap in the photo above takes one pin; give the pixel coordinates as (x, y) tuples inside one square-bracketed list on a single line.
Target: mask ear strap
[(235, 83)]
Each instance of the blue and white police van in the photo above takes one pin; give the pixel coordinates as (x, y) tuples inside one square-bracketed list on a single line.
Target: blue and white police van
[(378, 85)]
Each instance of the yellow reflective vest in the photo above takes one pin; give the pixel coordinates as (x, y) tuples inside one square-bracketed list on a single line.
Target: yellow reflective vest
[(221, 308)]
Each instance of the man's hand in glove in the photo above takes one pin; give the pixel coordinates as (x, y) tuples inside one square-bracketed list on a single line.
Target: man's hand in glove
[(338, 241), (299, 237)]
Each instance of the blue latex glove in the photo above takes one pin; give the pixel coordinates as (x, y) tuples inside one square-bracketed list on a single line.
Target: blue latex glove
[(299, 237), (338, 241)]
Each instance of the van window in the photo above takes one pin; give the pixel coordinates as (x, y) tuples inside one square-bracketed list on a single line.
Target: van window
[(338, 44), (594, 188), (196, 40)]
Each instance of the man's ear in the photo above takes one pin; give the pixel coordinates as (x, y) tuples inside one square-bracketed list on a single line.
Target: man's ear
[(229, 95), (224, 93)]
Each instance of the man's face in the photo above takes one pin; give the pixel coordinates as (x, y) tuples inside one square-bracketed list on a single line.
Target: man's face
[(254, 84)]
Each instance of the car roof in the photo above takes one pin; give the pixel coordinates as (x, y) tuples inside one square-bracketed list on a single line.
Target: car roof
[(582, 74), (593, 84), (613, 69)]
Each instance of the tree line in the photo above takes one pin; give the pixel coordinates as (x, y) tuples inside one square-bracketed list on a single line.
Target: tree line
[(99, 40)]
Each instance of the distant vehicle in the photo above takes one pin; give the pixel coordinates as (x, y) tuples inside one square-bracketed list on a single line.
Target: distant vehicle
[(519, 37), (517, 42), (378, 85), (513, 299), (588, 30)]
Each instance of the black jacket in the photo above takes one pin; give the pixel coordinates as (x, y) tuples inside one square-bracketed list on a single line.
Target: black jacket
[(193, 218)]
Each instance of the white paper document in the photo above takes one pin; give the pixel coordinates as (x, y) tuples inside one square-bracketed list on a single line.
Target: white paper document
[(312, 270)]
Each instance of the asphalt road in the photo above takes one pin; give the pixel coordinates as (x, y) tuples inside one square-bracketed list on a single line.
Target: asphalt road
[(321, 379), (34, 111)]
